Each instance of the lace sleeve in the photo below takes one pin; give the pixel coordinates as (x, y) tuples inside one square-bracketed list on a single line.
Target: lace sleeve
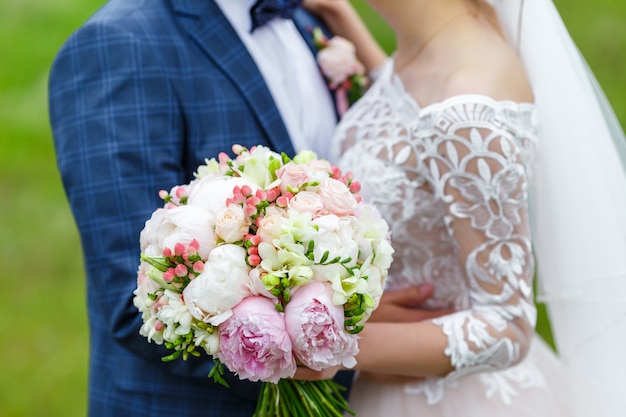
[(477, 165)]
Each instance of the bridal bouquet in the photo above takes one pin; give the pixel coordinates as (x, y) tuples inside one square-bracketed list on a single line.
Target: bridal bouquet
[(263, 262)]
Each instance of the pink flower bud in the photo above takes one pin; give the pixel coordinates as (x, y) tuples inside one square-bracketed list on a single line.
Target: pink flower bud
[(181, 192), (198, 267), (355, 187), (237, 149), (169, 275), (261, 195), (238, 199), (272, 194), (158, 325), (179, 249), (167, 252), (255, 240), (349, 176), (194, 244), (181, 270), (250, 210), (223, 157), (163, 194), (246, 190), (358, 198), (253, 250), (254, 260), (255, 201), (335, 172)]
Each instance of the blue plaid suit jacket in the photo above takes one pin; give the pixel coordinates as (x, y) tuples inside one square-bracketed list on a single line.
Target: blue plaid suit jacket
[(139, 96)]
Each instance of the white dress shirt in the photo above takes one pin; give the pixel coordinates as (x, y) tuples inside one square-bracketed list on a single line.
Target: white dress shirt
[(291, 74)]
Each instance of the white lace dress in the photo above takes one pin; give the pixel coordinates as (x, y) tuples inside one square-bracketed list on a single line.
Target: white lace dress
[(450, 179)]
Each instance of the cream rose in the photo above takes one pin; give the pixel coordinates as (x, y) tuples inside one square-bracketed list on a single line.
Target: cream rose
[(231, 224)]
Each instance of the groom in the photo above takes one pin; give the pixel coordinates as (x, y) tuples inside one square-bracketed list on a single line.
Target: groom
[(139, 96)]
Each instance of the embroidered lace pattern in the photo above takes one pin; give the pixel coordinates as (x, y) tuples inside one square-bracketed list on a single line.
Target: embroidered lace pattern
[(451, 179)]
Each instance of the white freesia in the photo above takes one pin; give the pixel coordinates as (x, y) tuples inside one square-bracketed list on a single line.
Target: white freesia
[(254, 166), (223, 284), (231, 223), (288, 262), (167, 227), (371, 231), (211, 193), (175, 315), (208, 340)]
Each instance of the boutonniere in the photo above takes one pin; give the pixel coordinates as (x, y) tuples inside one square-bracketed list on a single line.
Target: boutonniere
[(344, 73)]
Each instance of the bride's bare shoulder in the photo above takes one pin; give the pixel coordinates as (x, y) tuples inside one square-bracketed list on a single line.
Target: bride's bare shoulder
[(494, 71)]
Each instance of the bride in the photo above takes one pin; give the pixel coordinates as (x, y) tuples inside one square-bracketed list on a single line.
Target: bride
[(488, 147)]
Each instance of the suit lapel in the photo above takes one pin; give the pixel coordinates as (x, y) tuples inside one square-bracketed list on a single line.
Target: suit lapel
[(212, 32)]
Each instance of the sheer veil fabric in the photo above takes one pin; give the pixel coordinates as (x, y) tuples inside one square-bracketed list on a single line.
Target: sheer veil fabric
[(578, 206)]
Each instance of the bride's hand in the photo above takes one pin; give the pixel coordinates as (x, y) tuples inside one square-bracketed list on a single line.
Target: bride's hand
[(388, 378), (307, 374), (404, 305)]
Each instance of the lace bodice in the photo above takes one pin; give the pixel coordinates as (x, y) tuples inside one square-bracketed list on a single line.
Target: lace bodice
[(451, 179)]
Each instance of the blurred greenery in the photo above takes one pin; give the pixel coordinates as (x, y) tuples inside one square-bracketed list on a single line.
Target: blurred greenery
[(44, 352)]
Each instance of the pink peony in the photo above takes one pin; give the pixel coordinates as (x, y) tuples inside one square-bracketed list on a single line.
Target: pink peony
[(254, 343), (316, 328)]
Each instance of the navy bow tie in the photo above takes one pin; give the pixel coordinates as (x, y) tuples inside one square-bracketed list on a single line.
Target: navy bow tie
[(263, 11)]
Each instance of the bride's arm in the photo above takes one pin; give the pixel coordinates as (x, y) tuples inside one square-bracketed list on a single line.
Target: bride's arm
[(477, 170), (344, 21)]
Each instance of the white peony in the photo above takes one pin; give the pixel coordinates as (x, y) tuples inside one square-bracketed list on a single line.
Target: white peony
[(167, 227), (223, 284), (211, 193)]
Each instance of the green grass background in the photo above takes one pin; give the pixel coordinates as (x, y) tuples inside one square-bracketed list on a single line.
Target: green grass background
[(43, 330)]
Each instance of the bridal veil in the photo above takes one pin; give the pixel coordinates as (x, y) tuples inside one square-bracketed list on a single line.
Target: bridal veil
[(578, 207)]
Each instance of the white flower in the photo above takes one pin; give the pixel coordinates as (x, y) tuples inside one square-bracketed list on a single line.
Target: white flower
[(211, 193), (254, 166), (223, 284), (231, 224), (167, 227), (335, 237), (175, 315)]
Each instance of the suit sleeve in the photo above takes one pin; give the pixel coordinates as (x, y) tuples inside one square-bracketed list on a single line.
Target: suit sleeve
[(119, 138)]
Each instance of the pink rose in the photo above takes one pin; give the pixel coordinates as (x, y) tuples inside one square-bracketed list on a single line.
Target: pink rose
[(338, 60), (292, 175), (337, 197), (307, 201), (254, 343), (316, 328)]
